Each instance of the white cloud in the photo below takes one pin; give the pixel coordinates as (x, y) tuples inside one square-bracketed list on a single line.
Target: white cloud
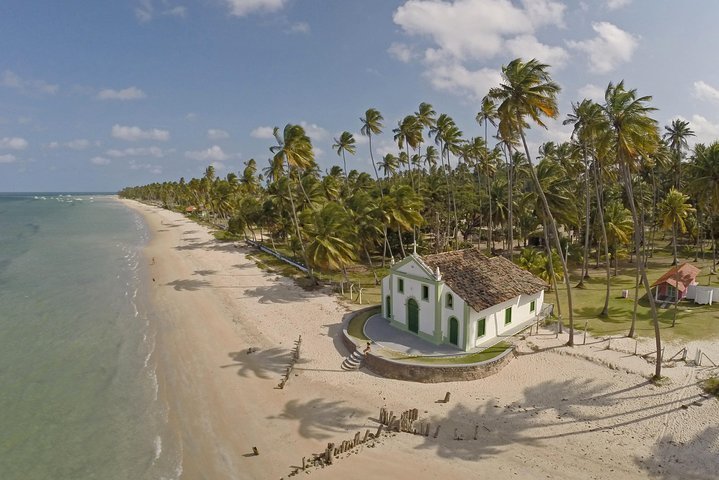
[(217, 134), (465, 32), (241, 8), (152, 168), (100, 161), (299, 27), (132, 134), (314, 131), (144, 11), (79, 144), (527, 46), (130, 93), (611, 47), (452, 76), (13, 143), (476, 29), (616, 4), (178, 11), (592, 92), (402, 52), (12, 80), (706, 132), (264, 133), (191, 116), (212, 154), (7, 158), (704, 91), (156, 152)]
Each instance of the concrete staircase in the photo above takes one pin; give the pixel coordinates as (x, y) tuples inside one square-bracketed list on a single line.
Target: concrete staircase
[(354, 361)]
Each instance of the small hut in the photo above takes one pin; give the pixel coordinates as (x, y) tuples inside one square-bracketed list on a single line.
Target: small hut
[(673, 285)]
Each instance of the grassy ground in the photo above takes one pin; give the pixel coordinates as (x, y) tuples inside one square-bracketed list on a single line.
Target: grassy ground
[(693, 321), (484, 355), (356, 325), (711, 386)]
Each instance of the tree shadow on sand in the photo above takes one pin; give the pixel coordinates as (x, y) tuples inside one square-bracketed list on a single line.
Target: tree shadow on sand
[(280, 293), (695, 460), (265, 364), (320, 419), (547, 411), (189, 284)]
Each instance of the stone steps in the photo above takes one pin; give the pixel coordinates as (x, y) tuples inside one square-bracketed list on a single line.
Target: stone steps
[(354, 361)]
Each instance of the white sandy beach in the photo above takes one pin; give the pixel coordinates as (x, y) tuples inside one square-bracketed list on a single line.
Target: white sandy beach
[(549, 414)]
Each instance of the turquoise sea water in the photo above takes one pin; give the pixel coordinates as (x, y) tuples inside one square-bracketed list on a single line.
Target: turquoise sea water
[(78, 388)]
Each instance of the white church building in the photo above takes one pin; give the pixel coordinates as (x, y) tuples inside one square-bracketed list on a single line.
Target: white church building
[(462, 298)]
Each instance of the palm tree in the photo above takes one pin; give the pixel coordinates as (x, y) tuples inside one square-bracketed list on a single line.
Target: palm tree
[(389, 165), (346, 143), (294, 149), (704, 183), (528, 91), (636, 136), (488, 114), (403, 209), (372, 125), (619, 226), (330, 247), (674, 210), (676, 135)]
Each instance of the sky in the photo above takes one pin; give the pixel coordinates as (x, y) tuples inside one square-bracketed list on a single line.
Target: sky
[(100, 95)]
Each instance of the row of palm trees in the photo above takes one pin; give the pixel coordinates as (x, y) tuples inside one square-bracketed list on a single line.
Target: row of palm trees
[(615, 180)]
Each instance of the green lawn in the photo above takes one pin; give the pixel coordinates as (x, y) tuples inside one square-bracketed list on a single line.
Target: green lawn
[(693, 321), (356, 325), (484, 355)]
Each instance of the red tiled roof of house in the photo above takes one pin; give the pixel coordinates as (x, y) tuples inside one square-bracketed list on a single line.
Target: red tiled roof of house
[(679, 277)]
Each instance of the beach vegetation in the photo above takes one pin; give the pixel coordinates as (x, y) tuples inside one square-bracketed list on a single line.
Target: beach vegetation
[(616, 197)]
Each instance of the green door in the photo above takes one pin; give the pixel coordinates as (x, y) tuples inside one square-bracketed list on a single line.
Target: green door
[(412, 315), (388, 308), (453, 331)]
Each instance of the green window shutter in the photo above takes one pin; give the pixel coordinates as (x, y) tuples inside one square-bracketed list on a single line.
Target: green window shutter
[(508, 316), (531, 306), (450, 301), (480, 327), (400, 285), (425, 292)]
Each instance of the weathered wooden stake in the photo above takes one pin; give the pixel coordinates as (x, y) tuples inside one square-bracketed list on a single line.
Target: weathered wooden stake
[(586, 322), (636, 344), (255, 451), (476, 431), (446, 398), (366, 434), (436, 432), (304, 466), (379, 431)]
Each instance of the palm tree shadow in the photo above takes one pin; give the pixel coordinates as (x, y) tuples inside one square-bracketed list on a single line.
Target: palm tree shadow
[(280, 293), (263, 363), (694, 460), (320, 419), (189, 284)]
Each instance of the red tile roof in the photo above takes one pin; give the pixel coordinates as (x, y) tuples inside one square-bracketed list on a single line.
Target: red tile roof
[(679, 277)]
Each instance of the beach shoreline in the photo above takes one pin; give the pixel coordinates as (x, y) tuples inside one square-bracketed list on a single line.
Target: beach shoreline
[(550, 413)]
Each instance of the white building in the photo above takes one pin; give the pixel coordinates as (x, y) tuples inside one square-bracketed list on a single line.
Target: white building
[(462, 298)]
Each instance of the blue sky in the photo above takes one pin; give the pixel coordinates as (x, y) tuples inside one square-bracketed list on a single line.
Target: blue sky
[(95, 96)]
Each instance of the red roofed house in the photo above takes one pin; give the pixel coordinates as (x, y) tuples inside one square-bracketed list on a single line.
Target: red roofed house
[(672, 286)]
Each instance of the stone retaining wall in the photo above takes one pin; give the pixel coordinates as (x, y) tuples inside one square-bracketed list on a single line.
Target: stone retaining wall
[(416, 372)]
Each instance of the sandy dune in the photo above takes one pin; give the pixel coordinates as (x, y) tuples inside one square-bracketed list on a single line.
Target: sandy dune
[(555, 413)]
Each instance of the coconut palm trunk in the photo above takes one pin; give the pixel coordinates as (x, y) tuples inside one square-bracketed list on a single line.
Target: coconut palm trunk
[(553, 225), (638, 234), (600, 212)]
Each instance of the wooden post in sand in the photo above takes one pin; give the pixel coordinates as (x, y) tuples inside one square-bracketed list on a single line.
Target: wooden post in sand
[(476, 431), (255, 451), (446, 398), (586, 322), (379, 431), (436, 432)]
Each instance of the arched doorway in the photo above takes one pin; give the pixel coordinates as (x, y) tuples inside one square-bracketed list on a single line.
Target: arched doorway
[(388, 306), (453, 331), (412, 315)]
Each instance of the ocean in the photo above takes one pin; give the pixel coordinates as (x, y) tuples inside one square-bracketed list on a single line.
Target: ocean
[(79, 397)]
